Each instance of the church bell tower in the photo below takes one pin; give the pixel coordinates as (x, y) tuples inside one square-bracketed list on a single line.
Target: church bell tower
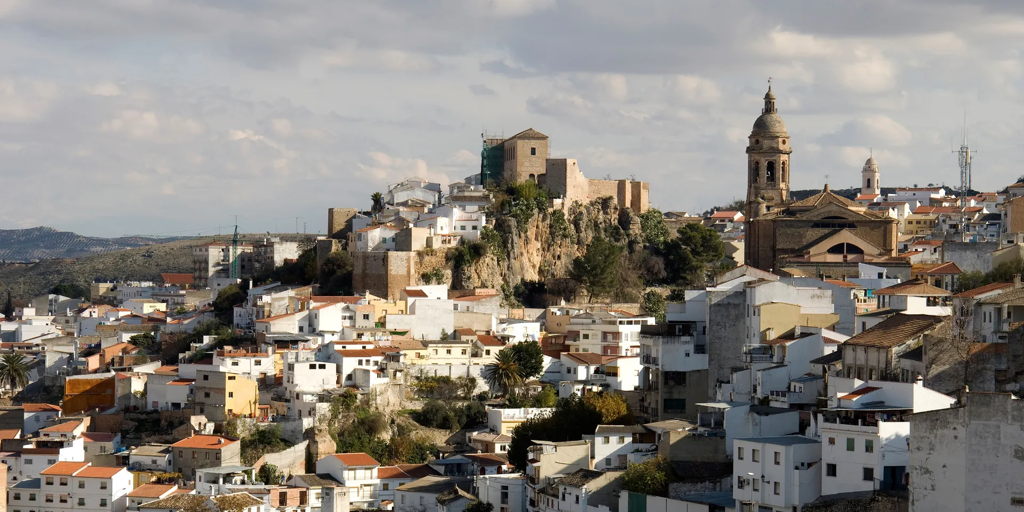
[(767, 161)]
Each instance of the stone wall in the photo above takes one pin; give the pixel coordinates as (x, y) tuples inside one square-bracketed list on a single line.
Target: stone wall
[(384, 274), (339, 222), (878, 502), (726, 336), (291, 461), (685, 447), (969, 255)]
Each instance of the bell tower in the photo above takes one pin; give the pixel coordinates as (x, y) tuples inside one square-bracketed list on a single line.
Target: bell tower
[(870, 176), (767, 160)]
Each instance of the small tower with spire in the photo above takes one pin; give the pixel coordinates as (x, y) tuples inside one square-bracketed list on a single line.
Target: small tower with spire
[(870, 183), (768, 153)]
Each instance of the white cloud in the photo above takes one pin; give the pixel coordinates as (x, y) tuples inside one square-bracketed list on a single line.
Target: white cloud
[(104, 89), (868, 72), (25, 100), (135, 124), (876, 130), (386, 169)]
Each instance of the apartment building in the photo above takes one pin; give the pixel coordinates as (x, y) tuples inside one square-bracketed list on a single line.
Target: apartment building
[(608, 333), (204, 451)]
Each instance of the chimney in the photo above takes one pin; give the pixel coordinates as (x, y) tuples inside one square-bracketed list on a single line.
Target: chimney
[(919, 381), (1016, 281), (796, 330)]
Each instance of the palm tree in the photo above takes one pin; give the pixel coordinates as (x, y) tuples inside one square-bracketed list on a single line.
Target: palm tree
[(378, 203), (505, 372), (13, 371)]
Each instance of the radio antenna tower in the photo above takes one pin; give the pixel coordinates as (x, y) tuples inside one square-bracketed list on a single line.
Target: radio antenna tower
[(964, 157)]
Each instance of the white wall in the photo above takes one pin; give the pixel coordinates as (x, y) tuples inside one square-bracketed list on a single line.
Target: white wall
[(490, 488)]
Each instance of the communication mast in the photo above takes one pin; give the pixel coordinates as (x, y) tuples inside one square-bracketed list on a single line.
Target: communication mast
[(964, 157), (234, 252)]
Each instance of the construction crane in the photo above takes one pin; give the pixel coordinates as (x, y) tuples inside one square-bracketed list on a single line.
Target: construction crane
[(234, 253)]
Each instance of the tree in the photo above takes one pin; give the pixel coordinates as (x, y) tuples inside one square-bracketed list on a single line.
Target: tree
[(570, 421), (227, 298), (969, 280), (687, 256), (597, 270), (649, 477), (444, 334), (268, 474), (546, 398), (480, 506), (180, 310), (336, 274), (652, 223), (13, 371), (72, 290), (9, 306), (653, 304), (530, 357), (505, 372), (611, 406), (143, 340), (377, 204)]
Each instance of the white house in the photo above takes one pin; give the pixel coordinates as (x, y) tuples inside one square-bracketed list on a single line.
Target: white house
[(82, 486), (610, 333), (780, 473), (375, 238), (617, 446), (146, 493), (303, 381), (466, 224), (351, 360), (505, 492), (153, 457), (735, 420), (865, 433), (358, 473), (36, 416)]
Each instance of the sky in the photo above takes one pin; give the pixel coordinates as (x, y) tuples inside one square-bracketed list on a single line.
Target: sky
[(169, 118)]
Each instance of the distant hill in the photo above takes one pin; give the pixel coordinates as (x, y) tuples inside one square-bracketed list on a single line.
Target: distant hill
[(42, 243), (110, 261)]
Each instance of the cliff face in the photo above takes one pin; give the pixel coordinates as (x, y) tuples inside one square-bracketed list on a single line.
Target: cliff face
[(547, 246)]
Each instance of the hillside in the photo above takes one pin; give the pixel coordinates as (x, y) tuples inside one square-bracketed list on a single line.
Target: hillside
[(139, 263), (41, 243)]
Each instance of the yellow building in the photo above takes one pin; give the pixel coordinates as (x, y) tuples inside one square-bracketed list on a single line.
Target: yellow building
[(777, 318), (921, 223), (222, 395)]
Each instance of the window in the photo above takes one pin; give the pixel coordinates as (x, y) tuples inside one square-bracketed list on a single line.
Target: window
[(850, 442), (757, 455), (533, 151), (607, 462), (622, 440), (448, 351), (64, 481), (463, 351), (674, 405), (180, 454), (49, 480), (757, 484), (206, 377), (81, 484), (830, 470), (869, 446), (17, 496), (831, 441), (206, 394), (778, 458), (103, 502), (778, 488), (49, 498), (231, 377), (194, 455), (231, 394), (606, 440), (487, 352), (217, 456), (32, 497), (81, 502), (739, 453), (29, 461), (739, 482), (386, 486), (235, 363), (577, 498), (869, 474), (258, 362)]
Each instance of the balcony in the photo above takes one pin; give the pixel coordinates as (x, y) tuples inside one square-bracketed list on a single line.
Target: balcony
[(758, 354)]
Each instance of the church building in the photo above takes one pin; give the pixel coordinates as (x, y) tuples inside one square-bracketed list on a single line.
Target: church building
[(823, 228)]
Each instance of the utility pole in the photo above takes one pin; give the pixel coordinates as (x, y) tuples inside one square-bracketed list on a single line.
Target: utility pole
[(234, 252), (964, 158)]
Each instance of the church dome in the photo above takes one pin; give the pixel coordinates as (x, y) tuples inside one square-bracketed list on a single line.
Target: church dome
[(770, 122), (871, 161)]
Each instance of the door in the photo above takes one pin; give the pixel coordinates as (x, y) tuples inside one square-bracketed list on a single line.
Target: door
[(893, 478)]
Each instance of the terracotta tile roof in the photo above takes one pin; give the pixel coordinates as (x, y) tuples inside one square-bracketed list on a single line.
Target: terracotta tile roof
[(67, 426), (417, 470), (588, 358), (391, 472), (40, 407), (181, 382), (151, 490), (366, 352), (402, 344), (724, 215), (840, 282), (473, 298), (40, 451), (914, 287), (204, 442), (177, 279), (276, 317), (489, 341), (10, 433), (64, 468), (356, 459), (100, 471), (178, 501), (896, 330), (933, 243), (98, 437), (167, 370), (865, 197), (336, 299), (466, 331), (858, 392), (981, 290), (415, 293), (487, 459), (944, 269)]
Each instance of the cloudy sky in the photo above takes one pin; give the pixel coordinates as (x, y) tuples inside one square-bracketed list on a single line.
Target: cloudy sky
[(170, 117)]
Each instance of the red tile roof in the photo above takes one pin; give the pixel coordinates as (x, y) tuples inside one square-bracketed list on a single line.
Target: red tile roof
[(417, 470), (466, 331), (10, 433), (336, 299), (67, 426), (489, 341), (944, 269), (181, 382), (151, 491), (724, 215), (356, 459), (840, 282), (858, 392), (178, 279), (204, 442), (100, 471), (64, 468), (391, 472), (981, 290), (40, 407), (914, 287), (366, 352), (896, 330), (415, 293), (98, 437)]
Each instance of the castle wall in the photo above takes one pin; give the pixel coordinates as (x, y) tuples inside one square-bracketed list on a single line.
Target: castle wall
[(339, 221), (384, 274)]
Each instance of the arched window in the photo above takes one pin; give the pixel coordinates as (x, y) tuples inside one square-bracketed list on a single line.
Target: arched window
[(869, 182), (845, 248), (769, 172), (784, 171), (533, 178), (757, 172)]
